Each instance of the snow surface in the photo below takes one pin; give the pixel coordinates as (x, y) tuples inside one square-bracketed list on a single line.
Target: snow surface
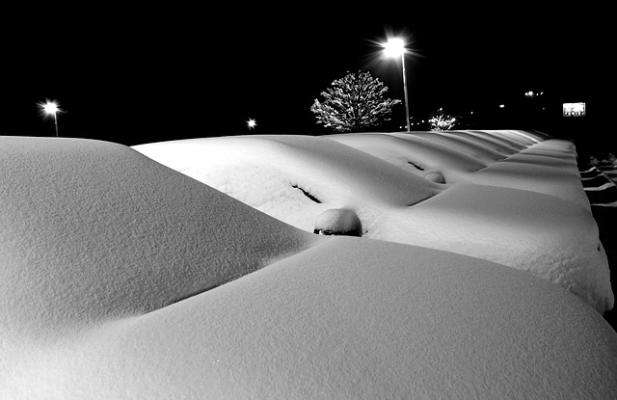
[(599, 188), (527, 211), (611, 204), (599, 182), (548, 167), (91, 226), (551, 238), (123, 279), (498, 143), (338, 221), (263, 170), (409, 150)]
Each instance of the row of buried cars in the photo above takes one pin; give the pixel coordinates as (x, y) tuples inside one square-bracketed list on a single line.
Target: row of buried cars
[(190, 269)]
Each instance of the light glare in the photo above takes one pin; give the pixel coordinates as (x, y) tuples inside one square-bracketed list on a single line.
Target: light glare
[(251, 123), (50, 108), (394, 47)]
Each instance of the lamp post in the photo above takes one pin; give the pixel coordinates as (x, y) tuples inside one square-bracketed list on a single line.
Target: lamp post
[(395, 48), (50, 108)]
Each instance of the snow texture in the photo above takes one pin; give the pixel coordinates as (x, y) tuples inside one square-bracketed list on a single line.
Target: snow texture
[(407, 151), (273, 173), (548, 167), (123, 279), (525, 209), (89, 227)]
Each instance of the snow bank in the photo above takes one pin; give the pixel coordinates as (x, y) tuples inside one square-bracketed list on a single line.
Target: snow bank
[(514, 137), (548, 167), (549, 237), (415, 153), (122, 279), (93, 229), (493, 142), (294, 178), (474, 149), (554, 237), (344, 319)]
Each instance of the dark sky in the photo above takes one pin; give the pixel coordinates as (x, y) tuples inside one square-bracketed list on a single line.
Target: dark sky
[(134, 76)]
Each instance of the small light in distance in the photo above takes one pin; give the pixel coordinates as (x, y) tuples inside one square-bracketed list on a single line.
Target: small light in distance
[(251, 123)]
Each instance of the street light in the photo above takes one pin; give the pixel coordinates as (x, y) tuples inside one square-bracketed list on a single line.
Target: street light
[(394, 47), (50, 108), (251, 123)]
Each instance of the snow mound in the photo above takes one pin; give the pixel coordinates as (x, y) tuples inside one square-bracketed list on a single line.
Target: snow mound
[(475, 149), (547, 167), (294, 178), (123, 279), (414, 153), (514, 138), (93, 230), (338, 222), (527, 211), (492, 141), (549, 237)]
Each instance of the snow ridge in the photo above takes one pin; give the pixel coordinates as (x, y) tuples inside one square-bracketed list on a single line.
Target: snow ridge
[(512, 197), (124, 279)]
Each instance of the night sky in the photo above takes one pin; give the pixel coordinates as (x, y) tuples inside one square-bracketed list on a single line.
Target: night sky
[(133, 76)]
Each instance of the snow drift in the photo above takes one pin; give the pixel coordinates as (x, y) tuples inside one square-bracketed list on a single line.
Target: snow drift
[(510, 196), (548, 167), (413, 153), (91, 226), (294, 178), (123, 279)]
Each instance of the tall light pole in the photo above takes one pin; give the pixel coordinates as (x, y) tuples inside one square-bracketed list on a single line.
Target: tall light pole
[(395, 48), (50, 108)]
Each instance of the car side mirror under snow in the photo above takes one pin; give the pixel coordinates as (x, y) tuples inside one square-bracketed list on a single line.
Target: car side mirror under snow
[(338, 221)]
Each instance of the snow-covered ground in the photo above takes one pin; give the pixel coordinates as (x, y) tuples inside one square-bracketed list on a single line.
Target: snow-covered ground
[(124, 279), (599, 181), (509, 196)]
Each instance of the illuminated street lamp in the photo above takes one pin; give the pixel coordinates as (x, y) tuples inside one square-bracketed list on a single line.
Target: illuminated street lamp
[(50, 108), (251, 123), (395, 48)]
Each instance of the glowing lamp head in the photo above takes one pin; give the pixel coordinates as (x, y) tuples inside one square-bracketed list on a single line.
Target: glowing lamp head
[(50, 108), (251, 123), (394, 47)]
